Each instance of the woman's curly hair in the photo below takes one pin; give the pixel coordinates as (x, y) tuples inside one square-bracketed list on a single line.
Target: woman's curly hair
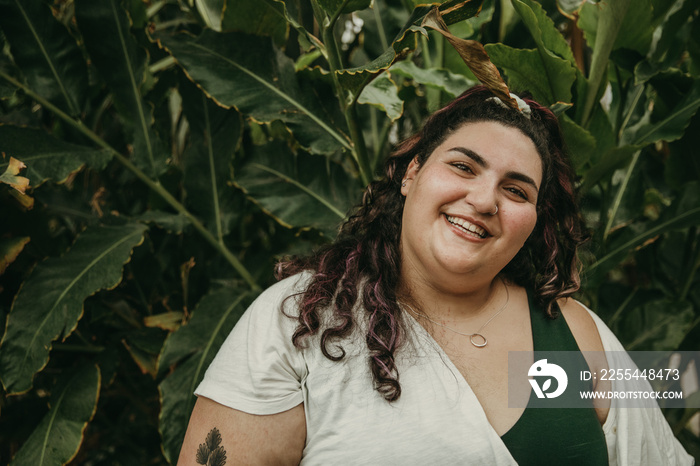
[(361, 269)]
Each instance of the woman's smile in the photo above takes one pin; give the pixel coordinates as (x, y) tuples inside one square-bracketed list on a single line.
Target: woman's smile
[(472, 204), (470, 228)]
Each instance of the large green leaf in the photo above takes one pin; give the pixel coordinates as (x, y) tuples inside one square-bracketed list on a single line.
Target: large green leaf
[(542, 29), (247, 72), (122, 63), (684, 213), (525, 71), (57, 438), (215, 133), (637, 29), (657, 325), (635, 25), (446, 81), (669, 40), (289, 12), (611, 161), (353, 80), (557, 60), (50, 302), (581, 143), (46, 157), (255, 17), (673, 125), (48, 55), (299, 191), (383, 94), (601, 24), (172, 223), (198, 341)]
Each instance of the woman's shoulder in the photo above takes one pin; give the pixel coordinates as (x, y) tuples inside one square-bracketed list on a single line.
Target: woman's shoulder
[(286, 288), (279, 302), (582, 325)]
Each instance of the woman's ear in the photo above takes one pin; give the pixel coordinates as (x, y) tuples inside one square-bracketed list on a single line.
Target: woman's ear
[(410, 175)]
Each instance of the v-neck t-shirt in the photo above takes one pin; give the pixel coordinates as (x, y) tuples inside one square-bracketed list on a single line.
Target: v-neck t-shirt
[(437, 420)]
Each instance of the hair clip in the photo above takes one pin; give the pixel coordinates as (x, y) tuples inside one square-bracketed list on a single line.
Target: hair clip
[(522, 105)]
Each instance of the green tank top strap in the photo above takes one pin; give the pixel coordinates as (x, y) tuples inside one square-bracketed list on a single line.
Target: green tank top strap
[(555, 436)]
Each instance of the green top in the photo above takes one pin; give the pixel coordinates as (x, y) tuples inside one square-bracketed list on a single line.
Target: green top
[(556, 436)]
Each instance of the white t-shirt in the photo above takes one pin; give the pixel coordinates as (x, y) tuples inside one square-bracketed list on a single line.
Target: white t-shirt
[(437, 420)]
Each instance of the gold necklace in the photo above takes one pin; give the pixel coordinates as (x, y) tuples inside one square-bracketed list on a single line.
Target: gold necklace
[(477, 335)]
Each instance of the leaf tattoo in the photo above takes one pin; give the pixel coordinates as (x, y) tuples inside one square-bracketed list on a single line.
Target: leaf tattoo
[(217, 457), (213, 439), (202, 454), (211, 453)]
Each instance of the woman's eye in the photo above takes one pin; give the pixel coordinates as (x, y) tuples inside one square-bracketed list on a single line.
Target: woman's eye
[(518, 192), (463, 167)]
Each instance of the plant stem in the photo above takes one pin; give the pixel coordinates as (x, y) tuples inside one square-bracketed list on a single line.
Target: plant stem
[(620, 194), (153, 185), (162, 64), (347, 101), (383, 137), (373, 126), (360, 149), (427, 60), (380, 26), (633, 105), (622, 307)]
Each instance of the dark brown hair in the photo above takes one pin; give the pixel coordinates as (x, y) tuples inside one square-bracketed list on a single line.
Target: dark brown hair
[(364, 262)]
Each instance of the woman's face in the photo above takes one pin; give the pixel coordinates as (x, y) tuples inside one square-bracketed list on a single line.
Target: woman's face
[(449, 229)]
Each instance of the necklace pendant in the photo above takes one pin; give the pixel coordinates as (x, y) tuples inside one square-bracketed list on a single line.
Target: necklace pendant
[(478, 340)]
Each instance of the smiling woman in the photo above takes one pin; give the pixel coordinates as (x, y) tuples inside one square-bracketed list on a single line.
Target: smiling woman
[(470, 207), (390, 346)]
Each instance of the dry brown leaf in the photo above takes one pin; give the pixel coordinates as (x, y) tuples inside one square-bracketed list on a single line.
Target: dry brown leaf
[(474, 55)]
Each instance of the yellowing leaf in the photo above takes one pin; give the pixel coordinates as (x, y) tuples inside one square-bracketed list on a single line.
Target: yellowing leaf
[(10, 249), (167, 320), (11, 177)]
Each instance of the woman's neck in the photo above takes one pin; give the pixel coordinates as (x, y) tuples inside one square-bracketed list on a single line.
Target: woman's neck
[(470, 301)]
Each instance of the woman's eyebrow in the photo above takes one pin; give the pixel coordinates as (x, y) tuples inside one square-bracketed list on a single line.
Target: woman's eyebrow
[(479, 160), (524, 178), (472, 155)]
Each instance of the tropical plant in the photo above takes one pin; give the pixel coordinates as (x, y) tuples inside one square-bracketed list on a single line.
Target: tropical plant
[(159, 156)]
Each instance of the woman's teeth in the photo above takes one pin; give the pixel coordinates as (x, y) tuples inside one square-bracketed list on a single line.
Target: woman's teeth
[(466, 226)]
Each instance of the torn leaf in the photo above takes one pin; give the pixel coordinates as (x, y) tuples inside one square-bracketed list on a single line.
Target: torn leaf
[(474, 55)]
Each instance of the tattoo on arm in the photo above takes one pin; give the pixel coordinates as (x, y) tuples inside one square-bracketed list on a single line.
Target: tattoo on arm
[(211, 453)]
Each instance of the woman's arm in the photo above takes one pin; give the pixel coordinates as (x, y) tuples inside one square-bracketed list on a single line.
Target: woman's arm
[(275, 439)]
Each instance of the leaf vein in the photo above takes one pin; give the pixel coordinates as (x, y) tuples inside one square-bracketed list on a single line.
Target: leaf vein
[(48, 58), (281, 94), (300, 186), (71, 285)]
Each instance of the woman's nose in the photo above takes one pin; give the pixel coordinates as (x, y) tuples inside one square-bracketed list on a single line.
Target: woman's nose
[(482, 196)]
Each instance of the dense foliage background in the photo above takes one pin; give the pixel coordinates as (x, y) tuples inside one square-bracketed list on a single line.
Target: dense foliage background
[(158, 157)]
